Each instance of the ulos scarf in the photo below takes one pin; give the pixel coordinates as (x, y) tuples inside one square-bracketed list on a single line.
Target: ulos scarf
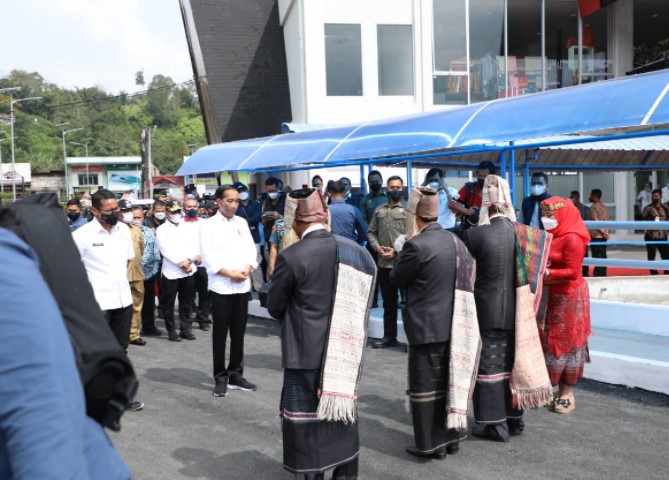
[(530, 384), (347, 333), (465, 341)]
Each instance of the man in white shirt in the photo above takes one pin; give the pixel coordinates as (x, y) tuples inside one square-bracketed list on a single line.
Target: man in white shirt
[(178, 244), (229, 254), (106, 250)]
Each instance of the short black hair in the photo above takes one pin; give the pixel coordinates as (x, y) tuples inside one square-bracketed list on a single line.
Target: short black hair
[(316, 177), (597, 193), (74, 202), (336, 187), (395, 177), (575, 192), (657, 190), (345, 178), (271, 181), (220, 191), (374, 172), (487, 165), (542, 175), (434, 171), (101, 195), (159, 203)]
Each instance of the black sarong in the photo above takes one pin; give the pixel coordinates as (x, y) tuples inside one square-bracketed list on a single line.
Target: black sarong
[(492, 395), (428, 386), (310, 445)]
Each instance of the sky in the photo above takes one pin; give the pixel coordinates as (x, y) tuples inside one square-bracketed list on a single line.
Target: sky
[(85, 43)]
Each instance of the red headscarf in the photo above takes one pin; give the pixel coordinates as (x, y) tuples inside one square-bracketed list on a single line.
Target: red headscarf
[(568, 218)]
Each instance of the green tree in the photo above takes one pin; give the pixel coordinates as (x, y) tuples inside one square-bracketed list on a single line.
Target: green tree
[(162, 103)]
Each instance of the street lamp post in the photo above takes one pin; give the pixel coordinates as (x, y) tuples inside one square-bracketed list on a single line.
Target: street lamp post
[(85, 145), (2, 187), (65, 132)]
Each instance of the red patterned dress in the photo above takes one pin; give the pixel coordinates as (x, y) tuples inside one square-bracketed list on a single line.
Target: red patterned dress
[(567, 327)]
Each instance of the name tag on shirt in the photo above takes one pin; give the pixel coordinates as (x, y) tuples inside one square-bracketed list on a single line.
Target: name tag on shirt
[(98, 244)]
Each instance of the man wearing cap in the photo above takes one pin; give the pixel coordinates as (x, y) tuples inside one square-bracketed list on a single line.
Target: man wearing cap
[(251, 211), (178, 243), (321, 292), (427, 268), (135, 272), (229, 254)]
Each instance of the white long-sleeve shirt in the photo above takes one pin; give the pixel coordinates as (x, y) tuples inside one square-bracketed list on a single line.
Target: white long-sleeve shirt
[(176, 244), (227, 243)]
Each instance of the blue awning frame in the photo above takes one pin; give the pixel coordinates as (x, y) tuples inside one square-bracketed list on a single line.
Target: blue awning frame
[(623, 108)]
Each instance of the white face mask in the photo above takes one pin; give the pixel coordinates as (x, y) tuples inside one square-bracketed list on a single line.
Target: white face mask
[(244, 196), (273, 195), (137, 222), (127, 217), (159, 215), (176, 218), (538, 189), (549, 223)]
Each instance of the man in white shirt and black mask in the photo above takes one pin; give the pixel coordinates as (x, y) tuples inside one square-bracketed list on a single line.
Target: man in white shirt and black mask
[(178, 244), (229, 254)]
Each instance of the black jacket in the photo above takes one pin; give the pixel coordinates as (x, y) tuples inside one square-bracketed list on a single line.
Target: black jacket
[(493, 247), (527, 207), (301, 296), (426, 267)]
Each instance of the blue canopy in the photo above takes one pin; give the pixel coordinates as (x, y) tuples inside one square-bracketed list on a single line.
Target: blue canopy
[(633, 103)]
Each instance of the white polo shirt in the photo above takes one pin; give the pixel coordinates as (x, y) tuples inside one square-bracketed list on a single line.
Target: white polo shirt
[(176, 244), (227, 244), (105, 256)]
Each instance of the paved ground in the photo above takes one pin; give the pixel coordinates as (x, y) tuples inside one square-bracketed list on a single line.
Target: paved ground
[(184, 432)]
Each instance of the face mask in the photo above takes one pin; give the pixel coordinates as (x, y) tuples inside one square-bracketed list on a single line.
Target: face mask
[(317, 187), (227, 210), (375, 187), (73, 216), (657, 200), (479, 182), (273, 195), (191, 212), (127, 217), (244, 196), (110, 219), (159, 216), (395, 194), (137, 222), (537, 190), (549, 223), (648, 189), (176, 218), (433, 185)]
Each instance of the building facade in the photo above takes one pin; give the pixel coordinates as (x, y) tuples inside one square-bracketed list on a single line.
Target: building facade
[(118, 174)]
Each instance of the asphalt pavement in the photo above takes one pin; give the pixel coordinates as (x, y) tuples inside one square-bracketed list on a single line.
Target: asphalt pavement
[(185, 433)]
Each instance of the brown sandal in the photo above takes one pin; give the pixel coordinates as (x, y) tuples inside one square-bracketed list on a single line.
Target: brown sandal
[(564, 405)]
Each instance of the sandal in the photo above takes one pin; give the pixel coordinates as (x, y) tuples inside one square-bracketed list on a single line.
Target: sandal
[(564, 405)]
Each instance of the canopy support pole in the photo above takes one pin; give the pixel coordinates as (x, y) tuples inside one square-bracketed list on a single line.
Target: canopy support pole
[(526, 175), (409, 174), (512, 172), (363, 188), (502, 164)]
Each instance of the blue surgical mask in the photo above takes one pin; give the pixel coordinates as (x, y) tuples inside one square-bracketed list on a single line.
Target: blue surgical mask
[(538, 190), (434, 185)]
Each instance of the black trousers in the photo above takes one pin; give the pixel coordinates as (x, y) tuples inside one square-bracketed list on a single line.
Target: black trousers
[(149, 306), (229, 313), (201, 287), (169, 290), (389, 294), (651, 249), (375, 256), (599, 251), (119, 320)]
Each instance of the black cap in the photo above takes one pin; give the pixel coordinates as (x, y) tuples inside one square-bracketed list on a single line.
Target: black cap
[(172, 207), (240, 186), (124, 204)]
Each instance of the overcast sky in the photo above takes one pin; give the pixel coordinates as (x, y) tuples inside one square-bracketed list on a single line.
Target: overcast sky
[(83, 43)]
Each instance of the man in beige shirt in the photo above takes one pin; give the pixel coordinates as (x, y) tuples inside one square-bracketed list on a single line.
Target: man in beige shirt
[(388, 223), (598, 211)]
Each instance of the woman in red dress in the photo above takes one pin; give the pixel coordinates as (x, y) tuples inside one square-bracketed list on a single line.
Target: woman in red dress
[(567, 326)]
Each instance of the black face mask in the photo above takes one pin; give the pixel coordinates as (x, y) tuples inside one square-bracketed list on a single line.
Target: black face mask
[(375, 187), (73, 216), (110, 219), (192, 213), (395, 194), (657, 200), (479, 182)]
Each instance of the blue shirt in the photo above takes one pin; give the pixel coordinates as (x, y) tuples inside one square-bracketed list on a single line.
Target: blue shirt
[(252, 213), (151, 257), (44, 430), (80, 222), (348, 221)]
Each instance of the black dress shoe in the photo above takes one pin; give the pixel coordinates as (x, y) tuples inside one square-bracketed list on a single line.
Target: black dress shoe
[(138, 341), (453, 448), (152, 332), (173, 336), (204, 327), (516, 426), (491, 433), (188, 335), (385, 343), (438, 454)]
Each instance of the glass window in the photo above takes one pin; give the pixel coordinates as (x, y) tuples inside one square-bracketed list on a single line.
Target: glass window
[(596, 64), (343, 60), (651, 39), (525, 66), (486, 49), (395, 53), (91, 180), (450, 35), (561, 43)]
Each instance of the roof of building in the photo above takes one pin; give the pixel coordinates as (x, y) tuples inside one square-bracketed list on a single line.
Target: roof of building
[(104, 160)]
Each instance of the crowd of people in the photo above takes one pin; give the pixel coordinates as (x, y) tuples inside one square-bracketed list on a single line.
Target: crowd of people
[(490, 304)]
